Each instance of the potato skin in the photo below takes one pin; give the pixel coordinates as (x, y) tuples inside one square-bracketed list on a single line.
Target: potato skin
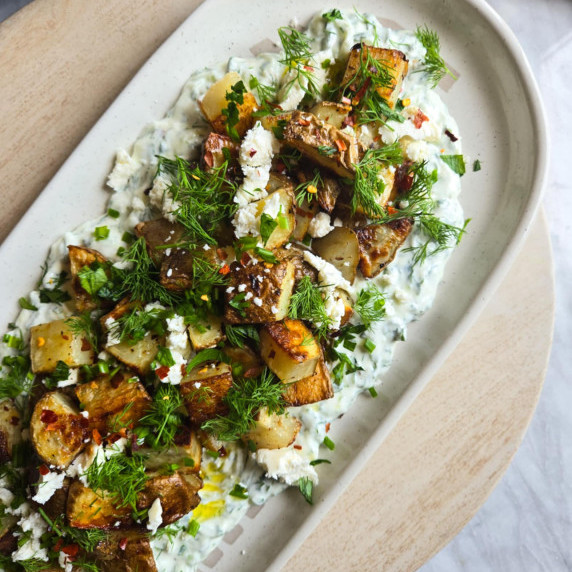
[(10, 429), (125, 551), (311, 389), (157, 233), (273, 431), (81, 256)]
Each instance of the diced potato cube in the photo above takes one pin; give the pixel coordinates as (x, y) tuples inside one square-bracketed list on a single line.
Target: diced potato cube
[(387, 175), (261, 292), (213, 155), (53, 342), (275, 123), (304, 214), (311, 389), (185, 453), (125, 551), (113, 403), (341, 249), (87, 508), (204, 389), (273, 431), (159, 234), (289, 349), (393, 60), (333, 113), (57, 429), (328, 193), (10, 429), (206, 334), (177, 270), (81, 256), (248, 362), (215, 101)]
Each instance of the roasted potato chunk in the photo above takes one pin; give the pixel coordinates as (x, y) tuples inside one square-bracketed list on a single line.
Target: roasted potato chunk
[(311, 389), (125, 551), (120, 401), (186, 453), (177, 270), (278, 181), (81, 256), (159, 234), (378, 244), (206, 334), (281, 234), (394, 61), (273, 431), (54, 342), (10, 429), (304, 214), (215, 101), (245, 361), (289, 349), (387, 175), (178, 496), (204, 389), (57, 429), (259, 293), (87, 508), (333, 113), (340, 248), (309, 134), (328, 194), (213, 155)]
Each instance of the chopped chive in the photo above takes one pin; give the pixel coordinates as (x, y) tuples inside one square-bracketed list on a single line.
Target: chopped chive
[(113, 213), (213, 454), (193, 528), (369, 346), (25, 304), (319, 462), (128, 238), (306, 487), (329, 443), (121, 251), (476, 165), (372, 391), (101, 232), (12, 341), (103, 367), (239, 492)]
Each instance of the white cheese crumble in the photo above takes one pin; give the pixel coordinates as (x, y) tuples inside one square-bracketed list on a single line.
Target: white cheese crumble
[(113, 333), (246, 220), (161, 198), (175, 373), (155, 516), (34, 523), (125, 167), (82, 462), (177, 338), (72, 378), (320, 225), (287, 465), (64, 562), (48, 485)]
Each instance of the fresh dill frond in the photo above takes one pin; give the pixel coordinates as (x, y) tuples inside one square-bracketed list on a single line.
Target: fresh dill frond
[(266, 96), (241, 336), (290, 157), (244, 399), (122, 476), (297, 58), (83, 325), (309, 189), (133, 326), (203, 200), (170, 532), (370, 305), (16, 377), (163, 419), (307, 303), (376, 109), (433, 64)]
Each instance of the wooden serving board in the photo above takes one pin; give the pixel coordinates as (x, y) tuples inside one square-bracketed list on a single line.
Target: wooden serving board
[(62, 62)]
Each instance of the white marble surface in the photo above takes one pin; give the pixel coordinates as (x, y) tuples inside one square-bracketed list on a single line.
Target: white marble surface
[(526, 524)]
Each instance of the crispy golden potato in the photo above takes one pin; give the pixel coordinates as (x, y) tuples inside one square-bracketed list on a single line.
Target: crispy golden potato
[(304, 214), (340, 247), (215, 101), (53, 342), (311, 389), (204, 389), (301, 267), (274, 122), (125, 551), (289, 349), (81, 256), (279, 181), (86, 508), (159, 234), (273, 431), (394, 61), (178, 496), (309, 135), (185, 453), (333, 113), (281, 234), (213, 154), (10, 429), (206, 334), (378, 244), (57, 429), (113, 403), (260, 292), (249, 363)]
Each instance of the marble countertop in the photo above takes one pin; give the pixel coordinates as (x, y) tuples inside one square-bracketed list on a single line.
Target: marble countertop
[(526, 524)]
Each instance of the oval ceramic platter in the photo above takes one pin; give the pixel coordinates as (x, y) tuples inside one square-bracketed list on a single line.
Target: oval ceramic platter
[(496, 104)]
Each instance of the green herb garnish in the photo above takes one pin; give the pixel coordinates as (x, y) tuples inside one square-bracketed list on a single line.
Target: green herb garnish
[(332, 15), (267, 226), (433, 64), (455, 162), (306, 487), (234, 98), (308, 304), (370, 305), (476, 166), (239, 492), (25, 304), (101, 232), (298, 57), (329, 443)]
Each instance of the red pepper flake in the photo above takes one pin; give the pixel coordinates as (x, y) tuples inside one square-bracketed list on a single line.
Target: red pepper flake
[(15, 420), (452, 137), (391, 210), (245, 258), (222, 253), (48, 416), (298, 447), (349, 120), (96, 437), (419, 119), (303, 121), (309, 68), (327, 427), (123, 544), (252, 152), (162, 372), (280, 167), (65, 337), (58, 544), (71, 550), (341, 145), (224, 270), (43, 470)]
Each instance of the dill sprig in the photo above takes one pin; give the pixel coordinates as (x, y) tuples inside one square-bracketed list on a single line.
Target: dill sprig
[(87, 539), (433, 64), (160, 424), (121, 476), (370, 305), (266, 95), (307, 303), (83, 325), (297, 57), (16, 378), (368, 183), (132, 326), (308, 189), (244, 399), (204, 199), (240, 336)]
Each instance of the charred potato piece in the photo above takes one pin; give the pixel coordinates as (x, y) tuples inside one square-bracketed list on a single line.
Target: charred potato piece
[(309, 134), (273, 431), (347, 306), (118, 400), (185, 453), (57, 429), (177, 270), (333, 113), (178, 497), (81, 256), (213, 155), (55, 341), (159, 233), (281, 234), (275, 123), (311, 389), (378, 244), (304, 214), (301, 267), (278, 181), (215, 101), (56, 505), (8, 540), (204, 389), (10, 429), (340, 247), (328, 194), (289, 349), (87, 508), (125, 551), (245, 360), (393, 60), (272, 286), (206, 334)]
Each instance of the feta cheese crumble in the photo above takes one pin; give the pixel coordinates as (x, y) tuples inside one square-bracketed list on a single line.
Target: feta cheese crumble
[(155, 516)]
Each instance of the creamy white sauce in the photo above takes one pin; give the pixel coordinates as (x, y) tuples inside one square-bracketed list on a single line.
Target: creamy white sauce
[(409, 289)]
